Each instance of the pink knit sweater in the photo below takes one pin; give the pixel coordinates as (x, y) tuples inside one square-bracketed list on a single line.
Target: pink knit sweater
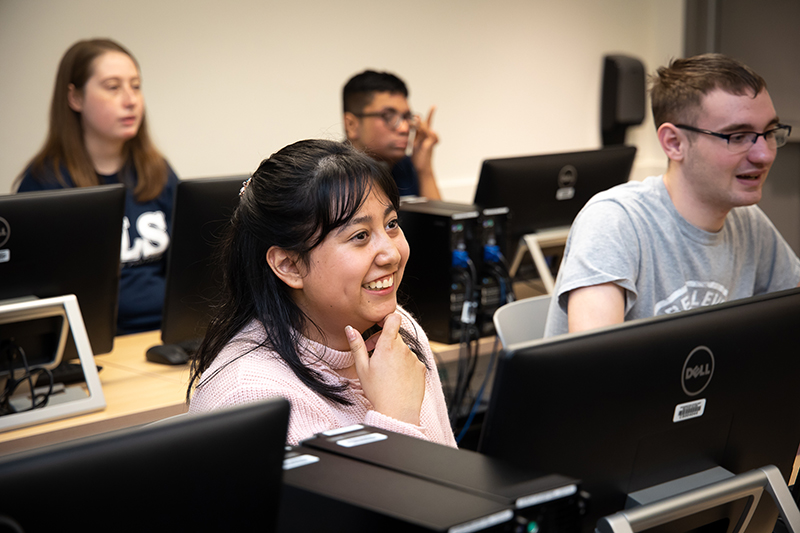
[(261, 373)]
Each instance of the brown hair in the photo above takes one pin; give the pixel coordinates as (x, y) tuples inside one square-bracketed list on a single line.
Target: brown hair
[(677, 90), (65, 144)]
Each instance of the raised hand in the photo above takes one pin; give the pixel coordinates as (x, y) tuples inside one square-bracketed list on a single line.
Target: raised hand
[(422, 155), (393, 378)]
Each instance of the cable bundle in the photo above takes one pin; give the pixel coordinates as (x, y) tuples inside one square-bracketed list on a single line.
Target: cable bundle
[(10, 351)]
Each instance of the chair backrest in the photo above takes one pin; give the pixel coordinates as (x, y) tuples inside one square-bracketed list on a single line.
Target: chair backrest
[(522, 320)]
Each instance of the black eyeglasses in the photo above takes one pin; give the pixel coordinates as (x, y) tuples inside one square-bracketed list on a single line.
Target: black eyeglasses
[(741, 141), (391, 117)]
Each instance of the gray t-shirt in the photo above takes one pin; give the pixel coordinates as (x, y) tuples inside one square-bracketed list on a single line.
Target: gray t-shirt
[(633, 236)]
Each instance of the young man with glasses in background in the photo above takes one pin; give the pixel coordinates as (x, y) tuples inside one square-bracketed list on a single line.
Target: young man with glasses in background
[(693, 236), (378, 121)]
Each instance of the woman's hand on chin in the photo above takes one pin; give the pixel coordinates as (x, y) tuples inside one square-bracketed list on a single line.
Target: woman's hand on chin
[(393, 378)]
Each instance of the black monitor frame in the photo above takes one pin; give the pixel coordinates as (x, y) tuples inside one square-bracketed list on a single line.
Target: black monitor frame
[(203, 208), (157, 477), (547, 191), (599, 405), (61, 242)]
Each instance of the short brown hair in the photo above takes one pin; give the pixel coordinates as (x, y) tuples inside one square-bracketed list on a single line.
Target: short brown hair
[(677, 90)]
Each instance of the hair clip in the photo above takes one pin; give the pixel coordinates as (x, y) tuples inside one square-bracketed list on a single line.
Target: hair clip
[(245, 183)]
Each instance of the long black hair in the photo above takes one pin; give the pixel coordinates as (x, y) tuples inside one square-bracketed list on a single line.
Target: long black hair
[(293, 201)]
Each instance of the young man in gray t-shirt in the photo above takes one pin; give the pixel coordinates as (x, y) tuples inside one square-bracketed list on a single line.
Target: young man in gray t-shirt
[(693, 236)]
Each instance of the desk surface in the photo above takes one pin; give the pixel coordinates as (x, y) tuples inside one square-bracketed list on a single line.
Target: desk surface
[(136, 392)]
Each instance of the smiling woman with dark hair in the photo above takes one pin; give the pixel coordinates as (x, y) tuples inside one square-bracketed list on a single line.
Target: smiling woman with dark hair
[(312, 261)]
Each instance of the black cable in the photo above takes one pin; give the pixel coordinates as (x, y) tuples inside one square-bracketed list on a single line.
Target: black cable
[(470, 342), (506, 287), (12, 384), (479, 396), (468, 330), (473, 351), (462, 357), (459, 362), (504, 271), (467, 360)]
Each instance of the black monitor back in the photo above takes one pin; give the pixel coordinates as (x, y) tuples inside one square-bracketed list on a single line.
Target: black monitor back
[(547, 191), (203, 208), (601, 406), (219, 471), (61, 242)]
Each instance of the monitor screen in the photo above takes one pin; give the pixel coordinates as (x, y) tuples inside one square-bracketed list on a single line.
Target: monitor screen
[(645, 402), (61, 242), (217, 471), (547, 191), (203, 208)]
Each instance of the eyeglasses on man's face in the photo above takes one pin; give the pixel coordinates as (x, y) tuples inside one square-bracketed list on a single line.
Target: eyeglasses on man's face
[(742, 141), (392, 117)]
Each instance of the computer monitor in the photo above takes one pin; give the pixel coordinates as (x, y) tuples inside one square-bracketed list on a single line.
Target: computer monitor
[(217, 471), (547, 191), (648, 401), (66, 241), (203, 208)]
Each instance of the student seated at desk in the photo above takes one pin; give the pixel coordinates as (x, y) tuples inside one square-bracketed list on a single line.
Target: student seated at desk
[(693, 236), (312, 260), (98, 135), (378, 120)]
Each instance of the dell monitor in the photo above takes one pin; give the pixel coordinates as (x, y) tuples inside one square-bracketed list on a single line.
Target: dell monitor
[(649, 401), (217, 471), (67, 241), (547, 191), (203, 209)]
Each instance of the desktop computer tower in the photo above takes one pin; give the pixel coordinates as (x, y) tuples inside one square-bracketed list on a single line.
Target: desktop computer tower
[(332, 493), (547, 503), (493, 277), (449, 281)]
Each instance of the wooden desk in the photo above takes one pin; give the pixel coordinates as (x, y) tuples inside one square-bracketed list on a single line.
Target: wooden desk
[(448, 353), (136, 392)]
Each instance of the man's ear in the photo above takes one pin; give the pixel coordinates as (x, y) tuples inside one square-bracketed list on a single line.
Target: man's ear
[(74, 98), (284, 265), (352, 126), (673, 141)]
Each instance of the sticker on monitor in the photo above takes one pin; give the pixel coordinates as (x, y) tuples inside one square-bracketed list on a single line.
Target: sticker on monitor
[(689, 410)]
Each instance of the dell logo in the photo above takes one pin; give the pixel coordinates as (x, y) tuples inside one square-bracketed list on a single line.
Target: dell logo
[(698, 369), (567, 178), (5, 231)]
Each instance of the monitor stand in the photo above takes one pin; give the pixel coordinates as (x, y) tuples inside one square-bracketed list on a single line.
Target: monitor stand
[(74, 400), (535, 243), (692, 494)]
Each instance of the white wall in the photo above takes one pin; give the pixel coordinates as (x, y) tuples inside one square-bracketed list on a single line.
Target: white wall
[(228, 83)]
